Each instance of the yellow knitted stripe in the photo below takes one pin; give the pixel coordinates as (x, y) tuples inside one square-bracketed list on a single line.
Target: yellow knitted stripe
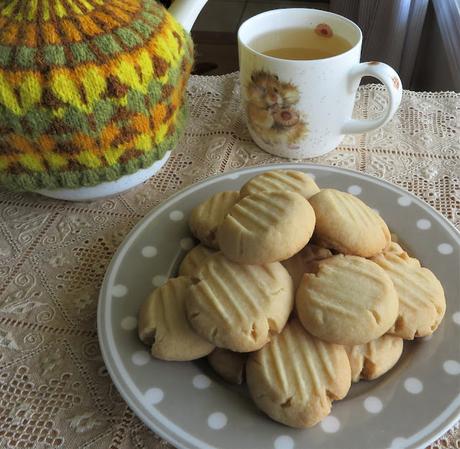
[(7, 11)]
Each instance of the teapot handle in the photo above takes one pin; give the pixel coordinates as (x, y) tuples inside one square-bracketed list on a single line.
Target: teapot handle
[(186, 11)]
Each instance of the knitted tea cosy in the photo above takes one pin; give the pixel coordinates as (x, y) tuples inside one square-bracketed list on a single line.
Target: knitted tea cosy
[(90, 90)]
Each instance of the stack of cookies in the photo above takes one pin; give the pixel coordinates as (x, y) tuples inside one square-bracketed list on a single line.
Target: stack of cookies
[(298, 290)]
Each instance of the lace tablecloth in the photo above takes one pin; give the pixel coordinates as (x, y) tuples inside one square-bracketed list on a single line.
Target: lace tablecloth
[(54, 388)]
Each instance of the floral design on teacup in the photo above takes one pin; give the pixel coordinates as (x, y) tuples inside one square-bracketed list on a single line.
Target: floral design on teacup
[(323, 29), (271, 112)]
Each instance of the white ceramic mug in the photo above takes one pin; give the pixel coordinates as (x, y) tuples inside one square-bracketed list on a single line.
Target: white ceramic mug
[(302, 108)]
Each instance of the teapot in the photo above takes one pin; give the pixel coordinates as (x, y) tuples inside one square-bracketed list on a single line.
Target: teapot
[(92, 93)]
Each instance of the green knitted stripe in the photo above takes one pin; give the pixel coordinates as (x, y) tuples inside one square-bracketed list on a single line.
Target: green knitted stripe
[(54, 55), (154, 92), (151, 19), (82, 53), (138, 25), (5, 53), (174, 75), (152, 6), (87, 178), (107, 44), (38, 122), (129, 37), (25, 57)]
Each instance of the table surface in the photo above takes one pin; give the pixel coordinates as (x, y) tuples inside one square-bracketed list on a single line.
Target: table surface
[(54, 388)]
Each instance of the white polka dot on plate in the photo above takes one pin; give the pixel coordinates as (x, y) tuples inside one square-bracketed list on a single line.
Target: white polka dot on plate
[(451, 367), (373, 404), (445, 248), (187, 243), (354, 190), (128, 323), (217, 420), (119, 290), (376, 211), (201, 381), (330, 424), (159, 280), (398, 443), (176, 215), (140, 358), (312, 176), (233, 176), (456, 318), (423, 224), (154, 396), (413, 385), (149, 251), (284, 442), (427, 338), (404, 201)]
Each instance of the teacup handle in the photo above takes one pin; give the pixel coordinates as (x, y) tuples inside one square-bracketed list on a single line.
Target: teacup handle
[(390, 79)]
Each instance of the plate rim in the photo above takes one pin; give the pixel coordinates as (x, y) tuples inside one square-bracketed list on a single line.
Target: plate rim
[(453, 409)]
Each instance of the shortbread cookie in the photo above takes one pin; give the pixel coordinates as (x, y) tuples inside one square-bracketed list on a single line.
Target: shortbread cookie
[(270, 181), (421, 297), (295, 377), (304, 262), (163, 324), (396, 239), (206, 218), (236, 306), (349, 300), (228, 364), (375, 358), (194, 259), (266, 227), (346, 224)]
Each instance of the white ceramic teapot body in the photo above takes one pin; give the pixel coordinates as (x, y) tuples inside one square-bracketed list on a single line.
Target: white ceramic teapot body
[(186, 12)]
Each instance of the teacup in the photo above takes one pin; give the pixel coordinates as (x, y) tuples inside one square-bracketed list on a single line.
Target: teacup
[(301, 108)]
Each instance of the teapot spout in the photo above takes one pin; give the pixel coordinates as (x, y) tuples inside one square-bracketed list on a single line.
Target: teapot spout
[(186, 11)]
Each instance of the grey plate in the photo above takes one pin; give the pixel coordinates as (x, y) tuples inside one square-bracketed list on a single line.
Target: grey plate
[(187, 405)]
